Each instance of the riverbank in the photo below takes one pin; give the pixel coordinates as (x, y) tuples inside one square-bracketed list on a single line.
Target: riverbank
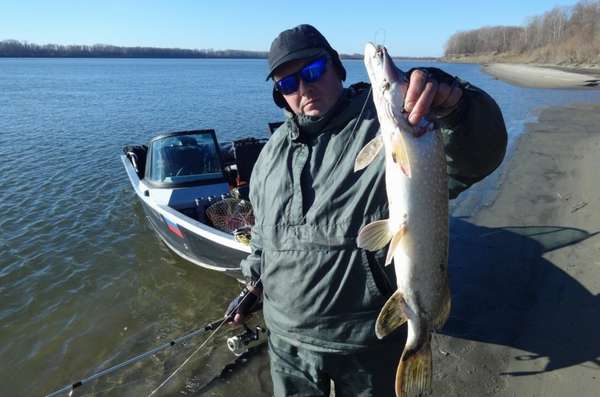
[(585, 68), (525, 271), (544, 76), (527, 72)]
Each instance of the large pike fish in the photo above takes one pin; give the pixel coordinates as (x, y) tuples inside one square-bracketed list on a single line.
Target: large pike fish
[(417, 229)]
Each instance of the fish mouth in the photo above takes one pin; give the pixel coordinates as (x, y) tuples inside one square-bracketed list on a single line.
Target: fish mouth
[(374, 53), (379, 67)]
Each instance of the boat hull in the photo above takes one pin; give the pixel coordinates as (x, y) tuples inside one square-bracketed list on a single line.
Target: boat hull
[(190, 239), (194, 248)]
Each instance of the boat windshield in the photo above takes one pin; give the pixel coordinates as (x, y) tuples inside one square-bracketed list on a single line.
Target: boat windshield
[(184, 159)]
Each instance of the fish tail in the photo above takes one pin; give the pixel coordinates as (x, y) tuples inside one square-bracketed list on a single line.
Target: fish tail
[(414, 373)]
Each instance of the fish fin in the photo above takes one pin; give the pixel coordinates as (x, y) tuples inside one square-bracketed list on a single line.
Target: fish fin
[(368, 153), (391, 316), (394, 244), (400, 154), (444, 312), (414, 373), (374, 236)]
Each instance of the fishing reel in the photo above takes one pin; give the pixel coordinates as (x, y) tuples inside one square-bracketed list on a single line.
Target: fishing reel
[(237, 344)]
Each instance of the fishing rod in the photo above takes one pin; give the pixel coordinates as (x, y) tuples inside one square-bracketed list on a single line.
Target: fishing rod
[(235, 344), (208, 327), (241, 302)]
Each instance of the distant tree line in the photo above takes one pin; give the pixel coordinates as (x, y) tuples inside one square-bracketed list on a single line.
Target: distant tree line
[(14, 48), (563, 34), (20, 49)]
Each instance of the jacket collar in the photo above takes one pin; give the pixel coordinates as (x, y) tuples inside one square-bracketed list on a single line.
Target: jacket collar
[(302, 127)]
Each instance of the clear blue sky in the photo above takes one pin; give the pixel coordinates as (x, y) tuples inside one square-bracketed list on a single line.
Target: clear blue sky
[(417, 28)]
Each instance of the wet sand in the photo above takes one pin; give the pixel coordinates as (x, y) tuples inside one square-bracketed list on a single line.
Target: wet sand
[(542, 76), (526, 272), (525, 275)]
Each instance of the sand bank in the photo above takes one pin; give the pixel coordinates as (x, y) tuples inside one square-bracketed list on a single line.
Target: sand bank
[(541, 77), (526, 272)]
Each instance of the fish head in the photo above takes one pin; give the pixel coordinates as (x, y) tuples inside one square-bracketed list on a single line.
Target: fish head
[(379, 65), (389, 84)]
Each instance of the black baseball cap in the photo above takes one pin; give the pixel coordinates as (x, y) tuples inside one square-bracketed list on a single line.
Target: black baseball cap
[(300, 42)]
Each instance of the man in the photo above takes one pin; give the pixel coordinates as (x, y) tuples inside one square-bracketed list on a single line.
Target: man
[(321, 293)]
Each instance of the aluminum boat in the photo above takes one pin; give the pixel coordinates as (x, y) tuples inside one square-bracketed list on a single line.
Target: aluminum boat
[(194, 191)]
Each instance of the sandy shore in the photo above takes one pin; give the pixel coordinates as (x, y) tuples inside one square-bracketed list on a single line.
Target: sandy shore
[(526, 272), (541, 76), (525, 275)]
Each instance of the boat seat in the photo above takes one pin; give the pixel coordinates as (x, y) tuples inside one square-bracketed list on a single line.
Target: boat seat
[(246, 154), (137, 155)]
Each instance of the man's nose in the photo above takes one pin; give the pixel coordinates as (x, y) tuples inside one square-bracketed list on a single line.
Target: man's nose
[(304, 87)]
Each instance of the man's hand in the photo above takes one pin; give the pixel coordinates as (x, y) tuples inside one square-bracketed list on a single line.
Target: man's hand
[(426, 93), (243, 304)]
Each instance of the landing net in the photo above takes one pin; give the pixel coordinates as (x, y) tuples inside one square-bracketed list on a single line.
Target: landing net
[(231, 214)]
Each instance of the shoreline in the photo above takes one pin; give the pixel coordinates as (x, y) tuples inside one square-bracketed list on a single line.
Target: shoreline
[(544, 76), (525, 271)]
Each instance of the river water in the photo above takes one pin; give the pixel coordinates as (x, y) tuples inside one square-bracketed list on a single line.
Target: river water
[(84, 282)]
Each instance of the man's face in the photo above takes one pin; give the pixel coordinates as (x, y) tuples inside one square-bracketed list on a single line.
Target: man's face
[(311, 99)]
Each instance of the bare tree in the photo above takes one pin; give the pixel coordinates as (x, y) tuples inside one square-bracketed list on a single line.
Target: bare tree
[(563, 34)]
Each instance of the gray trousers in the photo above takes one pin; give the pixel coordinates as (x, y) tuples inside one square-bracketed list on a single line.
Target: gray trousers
[(300, 372)]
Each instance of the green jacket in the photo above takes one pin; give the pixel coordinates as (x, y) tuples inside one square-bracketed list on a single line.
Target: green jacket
[(319, 288)]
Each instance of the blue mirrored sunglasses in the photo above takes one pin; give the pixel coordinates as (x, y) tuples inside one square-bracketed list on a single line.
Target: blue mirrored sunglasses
[(309, 74)]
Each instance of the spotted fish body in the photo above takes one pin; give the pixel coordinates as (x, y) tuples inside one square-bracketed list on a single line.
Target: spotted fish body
[(417, 229)]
